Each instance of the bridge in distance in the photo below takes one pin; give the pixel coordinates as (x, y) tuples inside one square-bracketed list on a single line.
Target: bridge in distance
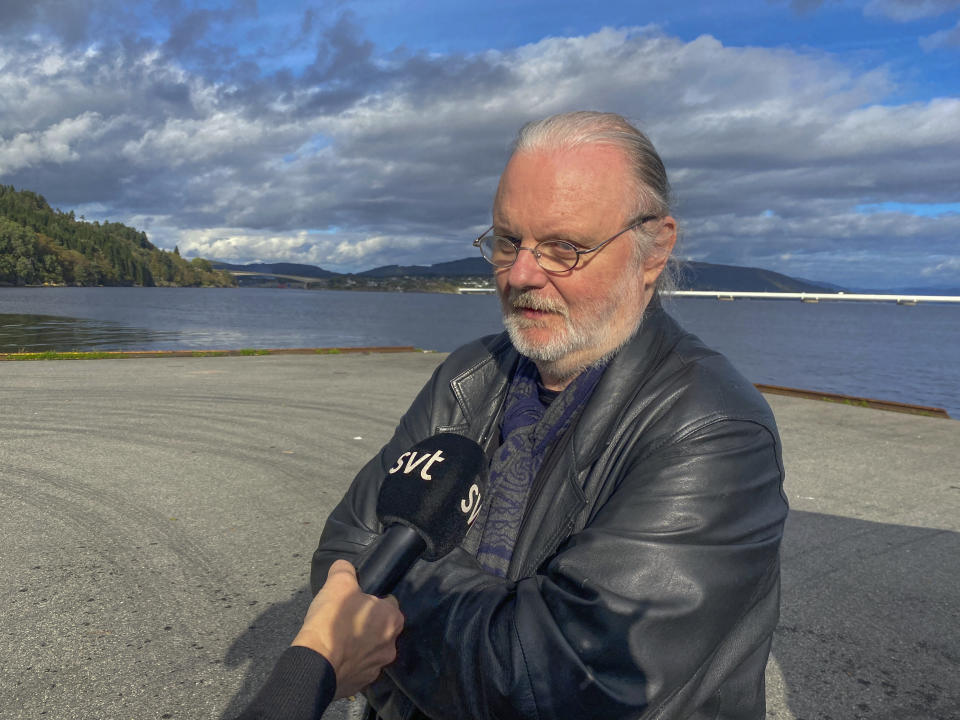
[(900, 299)]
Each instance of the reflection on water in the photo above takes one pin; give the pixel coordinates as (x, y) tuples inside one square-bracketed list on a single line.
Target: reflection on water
[(41, 333)]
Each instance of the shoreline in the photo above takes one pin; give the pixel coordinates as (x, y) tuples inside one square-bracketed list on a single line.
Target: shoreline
[(852, 400), (241, 352), (443, 286)]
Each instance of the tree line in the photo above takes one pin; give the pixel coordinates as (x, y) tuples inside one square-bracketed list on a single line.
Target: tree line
[(40, 245)]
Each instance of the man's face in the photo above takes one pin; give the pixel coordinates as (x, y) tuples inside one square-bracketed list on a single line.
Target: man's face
[(566, 321)]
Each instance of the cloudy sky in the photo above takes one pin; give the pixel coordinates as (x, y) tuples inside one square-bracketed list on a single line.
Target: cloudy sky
[(816, 138)]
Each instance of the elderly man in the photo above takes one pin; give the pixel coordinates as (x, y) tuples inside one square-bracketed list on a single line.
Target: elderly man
[(626, 562)]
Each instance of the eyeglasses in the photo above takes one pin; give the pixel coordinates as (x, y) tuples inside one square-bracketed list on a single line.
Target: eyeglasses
[(554, 256)]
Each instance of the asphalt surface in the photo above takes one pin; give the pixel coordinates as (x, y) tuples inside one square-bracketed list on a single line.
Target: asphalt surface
[(158, 517)]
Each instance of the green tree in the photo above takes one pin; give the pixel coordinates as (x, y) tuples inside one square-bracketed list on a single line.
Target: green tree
[(26, 274), (59, 248)]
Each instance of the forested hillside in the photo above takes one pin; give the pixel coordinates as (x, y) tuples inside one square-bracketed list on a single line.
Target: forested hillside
[(41, 245)]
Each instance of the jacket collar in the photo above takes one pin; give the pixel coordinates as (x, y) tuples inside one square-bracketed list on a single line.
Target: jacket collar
[(625, 379), (481, 388)]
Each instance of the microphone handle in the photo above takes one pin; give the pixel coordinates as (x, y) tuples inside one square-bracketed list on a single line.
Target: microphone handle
[(395, 551)]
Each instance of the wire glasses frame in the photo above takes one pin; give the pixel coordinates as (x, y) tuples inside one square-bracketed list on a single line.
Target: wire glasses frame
[(553, 256)]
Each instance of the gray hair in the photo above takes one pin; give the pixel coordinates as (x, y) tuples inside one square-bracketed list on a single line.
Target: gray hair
[(575, 129), (651, 188)]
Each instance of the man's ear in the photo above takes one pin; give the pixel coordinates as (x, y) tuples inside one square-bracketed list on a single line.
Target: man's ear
[(666, 238)]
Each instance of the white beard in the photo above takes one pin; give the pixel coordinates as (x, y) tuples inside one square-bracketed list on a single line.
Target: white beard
[(595, 334)]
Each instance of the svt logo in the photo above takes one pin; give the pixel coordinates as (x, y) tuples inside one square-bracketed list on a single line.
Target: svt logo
[(415, 459), (471, 504)]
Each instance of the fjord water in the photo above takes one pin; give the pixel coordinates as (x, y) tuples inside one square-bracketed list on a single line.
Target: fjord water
[(876, 350)]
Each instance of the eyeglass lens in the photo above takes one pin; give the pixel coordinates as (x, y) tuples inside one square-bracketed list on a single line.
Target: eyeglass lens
[(551, 255)]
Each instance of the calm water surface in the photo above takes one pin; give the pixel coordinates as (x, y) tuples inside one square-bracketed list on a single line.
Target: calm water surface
[(878, 350)]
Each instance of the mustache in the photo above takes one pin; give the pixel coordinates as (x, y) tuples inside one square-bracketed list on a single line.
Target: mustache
[(527, 299)]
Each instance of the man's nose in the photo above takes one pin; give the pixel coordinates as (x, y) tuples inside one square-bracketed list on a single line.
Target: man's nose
[(525, 272)]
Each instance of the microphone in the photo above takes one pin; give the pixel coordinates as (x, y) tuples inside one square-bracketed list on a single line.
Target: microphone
[(428, 501)]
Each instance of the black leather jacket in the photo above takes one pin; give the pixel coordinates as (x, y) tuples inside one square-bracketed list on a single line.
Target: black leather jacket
[(645, 578)]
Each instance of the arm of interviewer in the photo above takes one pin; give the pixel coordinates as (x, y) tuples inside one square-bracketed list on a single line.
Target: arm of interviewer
[(355, 632), (346, 639)]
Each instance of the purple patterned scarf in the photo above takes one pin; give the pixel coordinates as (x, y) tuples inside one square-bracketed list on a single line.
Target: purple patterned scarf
[(528, 430)]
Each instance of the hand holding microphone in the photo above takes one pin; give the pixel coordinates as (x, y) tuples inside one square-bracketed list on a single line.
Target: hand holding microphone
[(428, 501), (356, 633)]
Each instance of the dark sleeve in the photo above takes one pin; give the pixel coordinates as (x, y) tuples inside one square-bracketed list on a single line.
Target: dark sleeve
[(300, 687), (670, 587)]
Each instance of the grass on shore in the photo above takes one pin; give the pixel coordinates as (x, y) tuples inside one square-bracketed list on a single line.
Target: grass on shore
[(115, 355), (50, 355)]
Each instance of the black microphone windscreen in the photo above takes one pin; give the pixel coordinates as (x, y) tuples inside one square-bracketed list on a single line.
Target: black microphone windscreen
[(435, 488)]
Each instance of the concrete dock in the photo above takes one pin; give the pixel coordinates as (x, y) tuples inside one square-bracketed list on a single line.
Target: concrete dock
[(158, 518)]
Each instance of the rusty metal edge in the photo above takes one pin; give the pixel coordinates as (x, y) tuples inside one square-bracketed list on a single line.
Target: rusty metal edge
[(889, 405)]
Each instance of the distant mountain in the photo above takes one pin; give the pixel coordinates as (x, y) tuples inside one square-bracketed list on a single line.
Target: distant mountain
[(934, 290), (693, 275), (280, 268), (828, 286), (468, 267), (709, 276), (386, 271), (953, 290)]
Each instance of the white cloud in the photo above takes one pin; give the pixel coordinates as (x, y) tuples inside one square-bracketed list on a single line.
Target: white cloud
[(948, 270), (882, 129), (198, 140), (942, 39), (230, 243), (55, 144), (770, 150), (342, 251), (908, 10)]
